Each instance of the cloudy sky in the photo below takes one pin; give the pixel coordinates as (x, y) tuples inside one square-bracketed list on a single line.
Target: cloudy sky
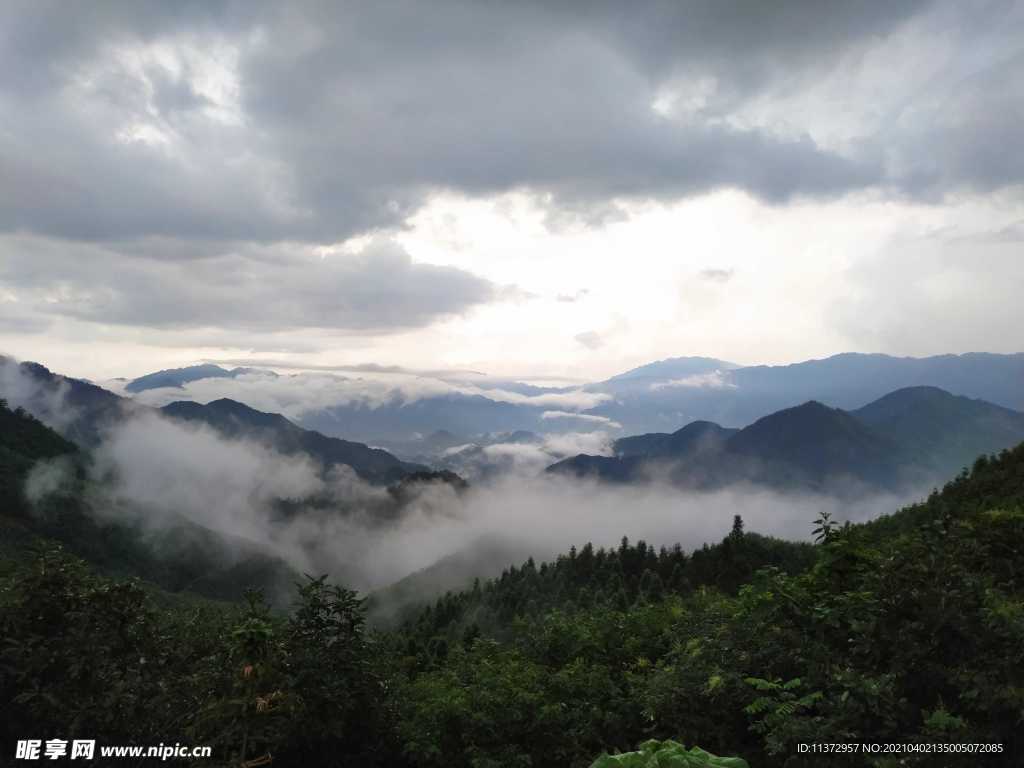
[(549, 189)]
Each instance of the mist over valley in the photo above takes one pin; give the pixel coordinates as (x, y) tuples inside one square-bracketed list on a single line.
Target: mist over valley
[(444, 384)]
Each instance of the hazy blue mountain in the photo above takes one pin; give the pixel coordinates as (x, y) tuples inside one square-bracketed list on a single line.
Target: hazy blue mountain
[(816, 445), (659, 396), (940, 430), (519, 437), (670, 369), (177, 377), (907, 438), (441, 440), (456, 413), (615, 469), (695, 437), (810, 446), (856, 379), (237, 420), (656, 399), (82, 411)]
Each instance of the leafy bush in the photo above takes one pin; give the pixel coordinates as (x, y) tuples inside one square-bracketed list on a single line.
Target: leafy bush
[(667, 754)]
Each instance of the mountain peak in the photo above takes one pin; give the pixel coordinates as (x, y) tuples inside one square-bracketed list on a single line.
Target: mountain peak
[(227, 404), (234, 419), (820, 440), (919, 393), (696, 437), (941, 429), (177, 378), (225, 411), (674, 367), (699, 426), (810, 417)]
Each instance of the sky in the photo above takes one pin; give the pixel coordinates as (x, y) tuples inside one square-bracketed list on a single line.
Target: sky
[(549, 191)]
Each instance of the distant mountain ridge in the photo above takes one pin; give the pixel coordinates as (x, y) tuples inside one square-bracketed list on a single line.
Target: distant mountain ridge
[(83, 412), (177, 377), (237, 420), (674, 367), (78, 409), (177, 553), (695, 437), (911, 436), (941, 430), (182, 555), (659, 396), (740, 395)]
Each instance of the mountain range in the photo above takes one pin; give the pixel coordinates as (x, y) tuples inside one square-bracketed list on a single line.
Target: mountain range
[(83, 412), (180, 556), (179, 377), (173, 550), (656, 397), (78, 409), (236, 420), (907, 438)]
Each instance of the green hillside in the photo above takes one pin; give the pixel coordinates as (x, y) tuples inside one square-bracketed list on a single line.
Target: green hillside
[(908, 630), (179, 556)]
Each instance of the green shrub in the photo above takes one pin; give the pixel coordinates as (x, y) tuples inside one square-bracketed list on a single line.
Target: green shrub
[(667, 754)]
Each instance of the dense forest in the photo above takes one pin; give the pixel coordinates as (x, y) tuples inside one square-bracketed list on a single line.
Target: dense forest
[(908, 629)]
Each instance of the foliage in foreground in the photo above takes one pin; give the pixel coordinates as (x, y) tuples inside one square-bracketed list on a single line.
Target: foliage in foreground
[(667, 754), (907, 631), (86, 657)]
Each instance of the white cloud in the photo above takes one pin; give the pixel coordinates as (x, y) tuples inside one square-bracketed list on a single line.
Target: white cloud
[(713, 380), (593, 418), (590, 339), (201, 235), (377, 289), (157, 472), (297, 394)]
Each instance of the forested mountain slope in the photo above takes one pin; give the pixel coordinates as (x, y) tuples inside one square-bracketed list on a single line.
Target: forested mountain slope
[(909, 439), (696, 437), (907, 630), (78, 409), (237, 420), (178, 556), (85, 414), (942, 431), (652, 398)]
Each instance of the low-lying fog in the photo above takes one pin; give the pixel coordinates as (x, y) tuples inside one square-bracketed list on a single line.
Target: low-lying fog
[(153, 469)]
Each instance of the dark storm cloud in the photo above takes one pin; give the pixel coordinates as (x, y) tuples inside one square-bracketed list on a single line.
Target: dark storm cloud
[(142, 136), (970, 132), (483, 99), (377, 290), (264, 363), (349, 115)]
